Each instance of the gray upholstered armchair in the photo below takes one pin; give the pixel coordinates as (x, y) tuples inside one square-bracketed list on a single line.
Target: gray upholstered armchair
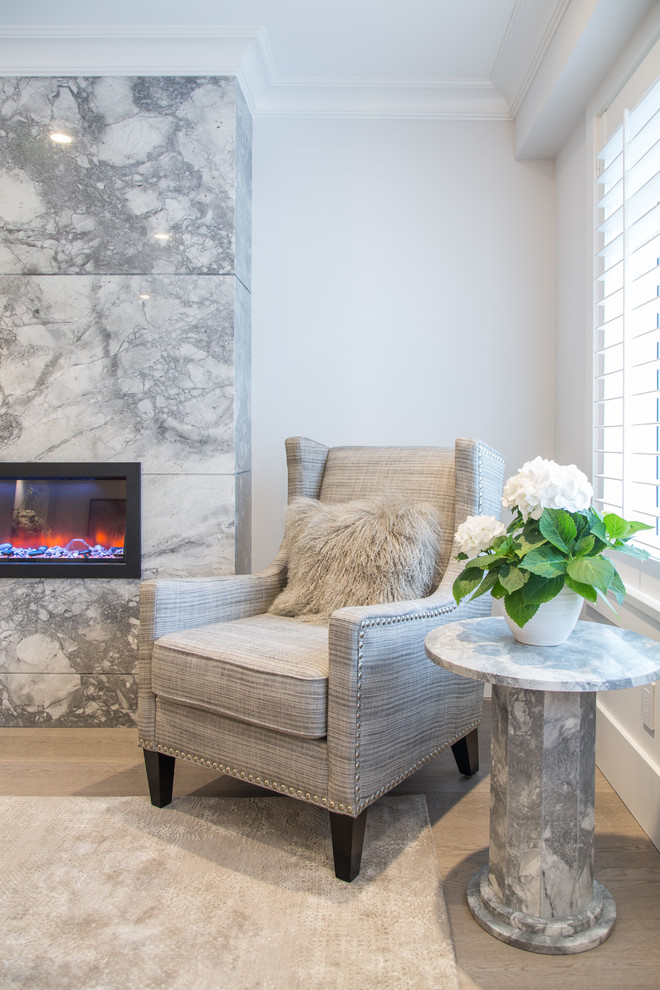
[(338, 713)]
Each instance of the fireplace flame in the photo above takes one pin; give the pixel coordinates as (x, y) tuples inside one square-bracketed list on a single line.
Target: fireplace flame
[(33, 541)]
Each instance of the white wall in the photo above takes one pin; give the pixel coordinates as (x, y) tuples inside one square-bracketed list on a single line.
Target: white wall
[(403, 292)]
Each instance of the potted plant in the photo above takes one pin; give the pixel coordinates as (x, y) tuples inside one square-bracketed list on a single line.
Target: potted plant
[(554, 550)]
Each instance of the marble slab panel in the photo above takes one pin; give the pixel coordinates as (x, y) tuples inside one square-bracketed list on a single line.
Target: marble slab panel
[(67, 628), (94, 701), (149, 156), (120, 368), (188, 525)]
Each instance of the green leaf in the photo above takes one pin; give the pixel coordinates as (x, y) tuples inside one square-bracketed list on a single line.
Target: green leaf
[(516, 522), (597, 526), (497, 591), (618, 587), (596, 571), (501, 546), (607, 602), (581, 589), (616, 526), (529, 539), (488, 582), (467, 581), (540, 589), (635, 527), (582, 523), (558, 528), (519, 611), (620, 529), (584, 545), (482, 563), (639, 552), (547, 561), (598, 547), (512, 578)]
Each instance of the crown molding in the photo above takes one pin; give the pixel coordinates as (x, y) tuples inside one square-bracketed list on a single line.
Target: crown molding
[(539, 54), (134, 50), (244, 51), (531, 28), (28, 31), (587, 43)]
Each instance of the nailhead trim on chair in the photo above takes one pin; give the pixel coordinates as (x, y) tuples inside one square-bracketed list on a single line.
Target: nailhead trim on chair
[(360, 804), (433, 613), (358, 718), (243, 775)]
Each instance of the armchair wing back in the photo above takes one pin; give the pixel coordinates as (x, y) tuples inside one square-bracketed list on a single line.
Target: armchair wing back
[(334, 714)]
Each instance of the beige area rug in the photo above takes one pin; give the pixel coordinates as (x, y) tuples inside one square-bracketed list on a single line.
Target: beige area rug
[(114, 894)]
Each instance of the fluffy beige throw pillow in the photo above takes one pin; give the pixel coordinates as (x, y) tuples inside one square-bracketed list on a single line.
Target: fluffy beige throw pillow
[(364, 552)]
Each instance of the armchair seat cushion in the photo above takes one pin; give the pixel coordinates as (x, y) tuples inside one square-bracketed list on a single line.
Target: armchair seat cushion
[(267, 670)]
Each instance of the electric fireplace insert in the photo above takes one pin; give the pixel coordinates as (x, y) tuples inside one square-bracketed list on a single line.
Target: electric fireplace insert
[(65, 520)]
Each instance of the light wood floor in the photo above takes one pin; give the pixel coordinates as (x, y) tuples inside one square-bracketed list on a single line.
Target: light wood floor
[(108, 762)]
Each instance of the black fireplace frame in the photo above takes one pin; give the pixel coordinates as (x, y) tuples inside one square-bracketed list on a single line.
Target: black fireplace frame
[(129, 566)]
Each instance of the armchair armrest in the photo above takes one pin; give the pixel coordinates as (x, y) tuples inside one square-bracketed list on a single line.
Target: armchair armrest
[(167, 605)]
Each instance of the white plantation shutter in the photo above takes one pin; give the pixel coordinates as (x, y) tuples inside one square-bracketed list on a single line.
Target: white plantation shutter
[(627, 320)]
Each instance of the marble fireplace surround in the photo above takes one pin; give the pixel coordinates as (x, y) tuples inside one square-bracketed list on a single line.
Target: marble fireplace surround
[(116, 345)]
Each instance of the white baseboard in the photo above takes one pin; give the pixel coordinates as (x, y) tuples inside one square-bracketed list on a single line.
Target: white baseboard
[(634, 777)]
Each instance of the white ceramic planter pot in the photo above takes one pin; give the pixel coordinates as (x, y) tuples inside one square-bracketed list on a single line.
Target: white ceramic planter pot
[(553, 623)]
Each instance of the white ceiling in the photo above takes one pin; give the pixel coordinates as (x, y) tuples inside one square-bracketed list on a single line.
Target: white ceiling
[(395, 58), (376, 39)]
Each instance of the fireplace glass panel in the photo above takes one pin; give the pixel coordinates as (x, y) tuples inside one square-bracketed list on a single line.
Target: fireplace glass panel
[(70, 519)]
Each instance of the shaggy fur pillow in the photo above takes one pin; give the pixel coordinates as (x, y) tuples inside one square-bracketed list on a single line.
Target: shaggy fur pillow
[(363, 552)]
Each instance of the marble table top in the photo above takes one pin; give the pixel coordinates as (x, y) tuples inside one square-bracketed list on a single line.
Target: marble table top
[(595, 657)]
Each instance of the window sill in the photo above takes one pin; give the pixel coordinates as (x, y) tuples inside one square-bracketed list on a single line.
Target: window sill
[(637, 608), (642, 603)]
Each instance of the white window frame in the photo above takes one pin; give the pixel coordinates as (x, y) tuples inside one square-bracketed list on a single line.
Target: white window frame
[(623, 89), (626, 443)]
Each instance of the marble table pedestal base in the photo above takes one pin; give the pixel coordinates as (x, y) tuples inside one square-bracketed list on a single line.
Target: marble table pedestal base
[(538, 891), (553, 936)]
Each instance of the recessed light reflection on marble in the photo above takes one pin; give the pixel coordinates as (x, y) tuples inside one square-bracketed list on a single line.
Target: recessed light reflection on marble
[(144, 296), (163, 237), (59, 137)]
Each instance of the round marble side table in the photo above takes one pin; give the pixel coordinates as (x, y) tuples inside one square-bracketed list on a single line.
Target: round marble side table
[(538, 891)]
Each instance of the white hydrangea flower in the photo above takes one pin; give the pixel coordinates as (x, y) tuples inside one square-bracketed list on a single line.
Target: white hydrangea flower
[(477, 533), (542, 484)]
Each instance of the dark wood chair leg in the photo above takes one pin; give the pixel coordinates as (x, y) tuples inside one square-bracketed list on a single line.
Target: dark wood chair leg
[(347, 840), (160, 777), (466, 753)]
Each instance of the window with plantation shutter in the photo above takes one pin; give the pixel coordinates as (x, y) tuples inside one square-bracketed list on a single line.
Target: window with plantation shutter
[(627, 320)]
